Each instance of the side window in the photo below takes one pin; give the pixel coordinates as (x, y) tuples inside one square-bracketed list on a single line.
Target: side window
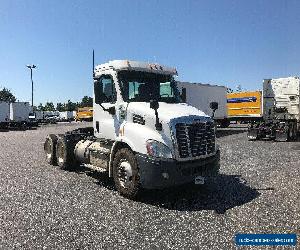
[(133, 91), (166, 90), (105, 90)]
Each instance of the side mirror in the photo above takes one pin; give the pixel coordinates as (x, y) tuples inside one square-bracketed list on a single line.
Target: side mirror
[(183, 95), (214, 106), (111, 110), (154, 104)]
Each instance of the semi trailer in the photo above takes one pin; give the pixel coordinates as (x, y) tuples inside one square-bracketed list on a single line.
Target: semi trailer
[(281, 111), (4, 115), (66, 116), (200, 95), (19, 115), (245, 106), (142, 136)]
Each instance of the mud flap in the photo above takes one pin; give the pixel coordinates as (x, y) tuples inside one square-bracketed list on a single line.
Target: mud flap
[(252, 133)]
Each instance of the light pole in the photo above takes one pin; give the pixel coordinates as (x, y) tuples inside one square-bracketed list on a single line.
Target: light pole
[(31, 67)]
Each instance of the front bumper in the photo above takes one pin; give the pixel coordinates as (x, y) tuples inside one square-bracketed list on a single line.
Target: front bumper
[(158, 174)]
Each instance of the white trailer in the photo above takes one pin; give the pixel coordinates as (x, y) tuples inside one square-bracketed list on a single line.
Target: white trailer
[(50, 116), (39, 115), (19, 111), (200, 96), (19, 114), (4, 114), (281, 110), (66, 116)]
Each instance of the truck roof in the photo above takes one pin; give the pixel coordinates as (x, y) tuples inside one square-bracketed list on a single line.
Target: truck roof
[(119, 65), (283, 78)]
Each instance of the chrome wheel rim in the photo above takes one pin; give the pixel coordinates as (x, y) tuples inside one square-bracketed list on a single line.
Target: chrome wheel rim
[(125, 173)]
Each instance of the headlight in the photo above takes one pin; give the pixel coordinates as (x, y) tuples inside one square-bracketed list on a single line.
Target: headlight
[(158, 149)]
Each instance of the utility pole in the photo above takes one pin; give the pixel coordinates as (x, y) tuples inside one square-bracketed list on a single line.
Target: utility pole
[(31, 67)]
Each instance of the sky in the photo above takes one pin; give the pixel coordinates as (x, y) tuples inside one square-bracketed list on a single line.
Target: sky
[(222, 42)]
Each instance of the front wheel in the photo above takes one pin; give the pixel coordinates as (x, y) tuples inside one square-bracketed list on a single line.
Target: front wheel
[(126, 173)]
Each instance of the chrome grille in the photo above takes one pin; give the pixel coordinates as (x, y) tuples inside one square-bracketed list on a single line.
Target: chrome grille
[(195, 139)]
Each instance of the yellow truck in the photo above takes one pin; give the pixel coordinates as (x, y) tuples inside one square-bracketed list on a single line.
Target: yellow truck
[(245, 106), (84, 114)]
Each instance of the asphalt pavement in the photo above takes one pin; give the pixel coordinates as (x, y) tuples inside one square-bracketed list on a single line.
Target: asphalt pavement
[(43, 207)]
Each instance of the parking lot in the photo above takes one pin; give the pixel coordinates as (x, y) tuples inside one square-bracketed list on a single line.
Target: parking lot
[(258, 191)]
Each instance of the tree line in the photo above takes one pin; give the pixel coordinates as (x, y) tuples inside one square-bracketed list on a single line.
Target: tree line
[(86, 101), (7, 96)]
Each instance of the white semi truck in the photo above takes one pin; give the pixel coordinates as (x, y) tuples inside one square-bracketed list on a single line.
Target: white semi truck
[(281, 111), (142, 137), (200, 95)]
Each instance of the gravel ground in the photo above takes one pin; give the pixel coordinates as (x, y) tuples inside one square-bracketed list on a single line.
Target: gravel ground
[(41, 206)]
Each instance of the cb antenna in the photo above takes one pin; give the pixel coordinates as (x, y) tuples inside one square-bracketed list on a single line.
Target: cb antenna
[(93, 64)]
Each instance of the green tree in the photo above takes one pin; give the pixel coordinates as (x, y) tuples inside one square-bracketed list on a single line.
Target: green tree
[(6, 95), (86, 101), (41, 107), (60, 106), (70, 106), (229, 90), (49, 106)]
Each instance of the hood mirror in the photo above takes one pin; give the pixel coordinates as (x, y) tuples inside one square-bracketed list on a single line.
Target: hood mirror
[(155, 105), (214, 106)]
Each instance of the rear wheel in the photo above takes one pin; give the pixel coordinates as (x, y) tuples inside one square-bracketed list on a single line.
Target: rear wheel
[(225, 123), (293, 131), (252, 134), (126, 173), (50, 149), (282, 134), (65, 154)]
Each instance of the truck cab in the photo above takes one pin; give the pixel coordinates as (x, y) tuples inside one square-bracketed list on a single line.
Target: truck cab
[(143, 135), (281, 111)]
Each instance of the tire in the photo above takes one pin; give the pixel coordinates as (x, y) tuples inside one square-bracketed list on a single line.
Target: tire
[(282, 136), (23, 126), (126, 173), (225, 123), (65, 154), (291, 133), (50, 149), (252, 134)]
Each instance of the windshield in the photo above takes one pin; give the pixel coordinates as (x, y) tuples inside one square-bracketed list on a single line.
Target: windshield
[(144, 86)]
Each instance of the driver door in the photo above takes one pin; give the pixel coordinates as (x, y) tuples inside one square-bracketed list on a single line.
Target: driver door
[(106, 125)]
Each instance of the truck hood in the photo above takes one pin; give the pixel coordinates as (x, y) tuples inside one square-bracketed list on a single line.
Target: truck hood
[(166, 111)]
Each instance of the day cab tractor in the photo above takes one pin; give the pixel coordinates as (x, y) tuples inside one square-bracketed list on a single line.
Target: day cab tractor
[(281, 111), (143, 136)]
